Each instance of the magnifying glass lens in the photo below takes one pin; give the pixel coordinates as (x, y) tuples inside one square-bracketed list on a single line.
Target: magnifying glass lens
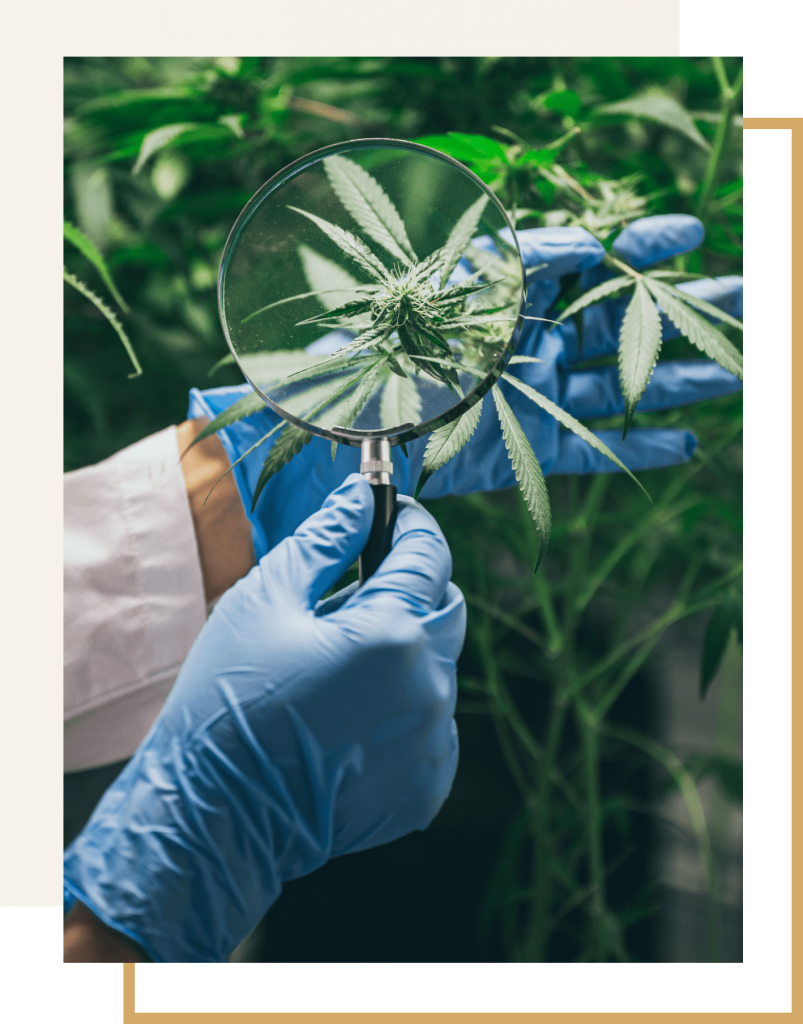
[(371, 289)]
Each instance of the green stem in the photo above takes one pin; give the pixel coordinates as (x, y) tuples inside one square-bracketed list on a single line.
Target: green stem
[(535, 942), (674, 614), (659, 513), (694, 807), (596, 862), (728, 96)]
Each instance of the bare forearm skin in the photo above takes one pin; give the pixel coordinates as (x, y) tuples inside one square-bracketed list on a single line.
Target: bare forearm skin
[(88, 940)]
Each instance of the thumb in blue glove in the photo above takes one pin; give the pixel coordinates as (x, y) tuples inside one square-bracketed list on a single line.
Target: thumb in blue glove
[(298, 730)]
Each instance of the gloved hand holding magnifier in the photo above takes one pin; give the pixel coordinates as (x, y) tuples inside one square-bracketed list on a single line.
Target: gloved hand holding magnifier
[(402, 261)]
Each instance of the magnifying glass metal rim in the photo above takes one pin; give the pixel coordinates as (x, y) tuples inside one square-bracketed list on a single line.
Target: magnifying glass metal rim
[(406, 431)]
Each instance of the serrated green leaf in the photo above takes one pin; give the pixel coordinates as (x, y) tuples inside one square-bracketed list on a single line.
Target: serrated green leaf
[(110, 315), (639, 345), (304, 295), (332, 284), (396, 366), (427, 266), (401, 402), (596, 294), (158, 139), (351, 308), (369, 205), (459, 238), (88, 248), (417, 348), (289, 443), (445, 442), (353, 405), (569, 421), (673, 275), (727, 617), (239, 410), (528, 472), (372, 337), (236, 462), (660, 107), (350, 245), (708, 307), (697, 329)]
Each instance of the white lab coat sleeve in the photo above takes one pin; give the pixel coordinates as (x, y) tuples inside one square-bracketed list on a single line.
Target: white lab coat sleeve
[(133, 597)]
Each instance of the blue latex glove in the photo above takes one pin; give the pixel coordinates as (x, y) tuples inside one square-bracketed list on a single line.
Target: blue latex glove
[(298, 730), (483, 464)]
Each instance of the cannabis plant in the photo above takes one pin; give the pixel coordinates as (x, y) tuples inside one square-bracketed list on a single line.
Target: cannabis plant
[(442, 319)]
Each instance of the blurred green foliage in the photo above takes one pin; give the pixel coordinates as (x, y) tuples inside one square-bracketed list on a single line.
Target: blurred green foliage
[(160, 156)]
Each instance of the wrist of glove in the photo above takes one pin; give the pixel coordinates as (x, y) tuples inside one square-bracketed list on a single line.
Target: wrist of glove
[(299, 729)]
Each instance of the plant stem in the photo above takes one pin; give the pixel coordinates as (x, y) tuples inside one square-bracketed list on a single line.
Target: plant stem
[(536, 938), (686, 784), (728, 97), (596, 863)]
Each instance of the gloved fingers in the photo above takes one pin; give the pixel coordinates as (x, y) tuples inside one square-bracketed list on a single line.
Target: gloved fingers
[(417, 570), (644, 448), (725, 292), (595, 394), (653, 239), (601, 323), (564, 250), (305, 565)]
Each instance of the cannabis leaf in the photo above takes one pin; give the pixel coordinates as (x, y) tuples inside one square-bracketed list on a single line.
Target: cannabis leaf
[(528, 472), (639, 345), (88, 248), (236, 462), (727, 617), (369, 205), (110, 315), (306, 295), (348, 309), (158, 139), (696, 328), (350, 244), (352, 406), (446, 442), (569, 421), (332, 283), (245, 406), (708, 307), (459, 238), (660, 107), (289, 443), (601, 291), (401, 402)]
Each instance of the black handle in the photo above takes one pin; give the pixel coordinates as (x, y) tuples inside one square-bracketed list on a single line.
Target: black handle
[(381, 535)]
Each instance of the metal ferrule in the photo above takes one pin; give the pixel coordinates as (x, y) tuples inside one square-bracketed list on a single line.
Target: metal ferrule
[(375, 464)]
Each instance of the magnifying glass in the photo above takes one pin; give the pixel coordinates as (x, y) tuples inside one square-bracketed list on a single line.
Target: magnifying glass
[(372, 292)]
